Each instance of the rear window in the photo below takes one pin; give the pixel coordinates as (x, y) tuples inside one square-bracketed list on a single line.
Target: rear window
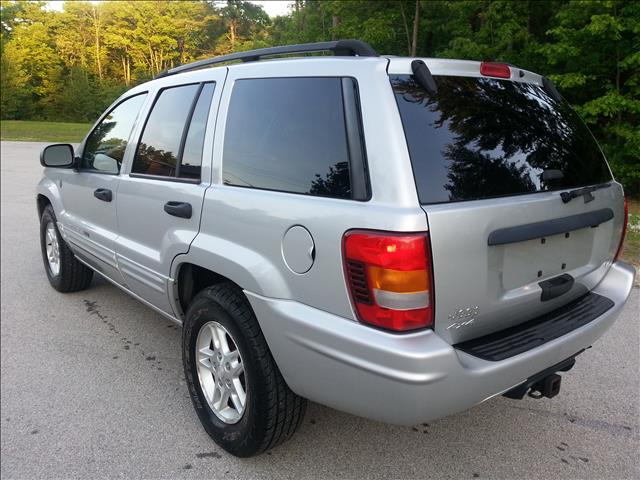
[(481, 138)]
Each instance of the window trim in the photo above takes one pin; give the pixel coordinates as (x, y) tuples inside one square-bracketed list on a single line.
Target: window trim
[(97, 124), (195, 181), (183, 138), (356, 146), (355, 135)]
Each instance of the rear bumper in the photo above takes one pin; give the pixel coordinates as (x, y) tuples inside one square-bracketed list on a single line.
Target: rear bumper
[(410, 378)]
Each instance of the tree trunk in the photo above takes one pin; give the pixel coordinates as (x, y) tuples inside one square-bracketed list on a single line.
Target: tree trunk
[(96, 28), (124, 70), (406, 28), (298, 16), (181, 50), (151, 60), (232, 33), (416, 24), (335, 21)]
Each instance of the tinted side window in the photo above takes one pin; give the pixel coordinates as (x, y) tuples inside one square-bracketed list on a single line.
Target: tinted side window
[(105, 145), (287, 134), (159, 146), (192, 155)]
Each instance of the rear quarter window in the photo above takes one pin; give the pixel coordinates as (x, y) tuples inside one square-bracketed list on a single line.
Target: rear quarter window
[(479, 138), (289, 135)]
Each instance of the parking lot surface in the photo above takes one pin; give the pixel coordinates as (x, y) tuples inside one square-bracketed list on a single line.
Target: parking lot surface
[(92, 387)]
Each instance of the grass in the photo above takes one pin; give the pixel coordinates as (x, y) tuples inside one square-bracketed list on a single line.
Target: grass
[(631, 251), (43, 131)]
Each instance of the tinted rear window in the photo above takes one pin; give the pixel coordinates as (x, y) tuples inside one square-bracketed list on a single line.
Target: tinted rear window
[(480, 138)]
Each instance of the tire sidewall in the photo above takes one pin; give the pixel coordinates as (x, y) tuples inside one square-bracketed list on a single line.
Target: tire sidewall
[(49, 217), (238, 438)]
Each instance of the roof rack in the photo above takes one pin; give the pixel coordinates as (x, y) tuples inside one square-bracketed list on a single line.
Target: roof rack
[(338, 47)]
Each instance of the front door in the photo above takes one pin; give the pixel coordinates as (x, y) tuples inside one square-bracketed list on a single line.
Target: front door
[(89, 194), (160, 199)]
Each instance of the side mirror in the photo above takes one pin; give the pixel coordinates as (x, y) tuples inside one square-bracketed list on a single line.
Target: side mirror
[(60, 155)]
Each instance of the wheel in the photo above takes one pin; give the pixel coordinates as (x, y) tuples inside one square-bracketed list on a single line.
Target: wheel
[(237, 390), (64, 271)]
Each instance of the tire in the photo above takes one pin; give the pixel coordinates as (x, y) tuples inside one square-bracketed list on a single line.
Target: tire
[(272, 412), (71, 275)]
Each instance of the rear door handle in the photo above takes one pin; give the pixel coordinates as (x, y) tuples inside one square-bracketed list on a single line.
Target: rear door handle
[(103, 194), (178, 209)]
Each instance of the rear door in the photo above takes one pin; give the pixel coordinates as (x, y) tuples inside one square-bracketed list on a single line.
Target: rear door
[(491, 158), (160, 198)]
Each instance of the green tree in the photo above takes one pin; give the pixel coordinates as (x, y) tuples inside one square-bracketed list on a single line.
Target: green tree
[(72, 64), (594, 54), (31, 64), (245, 27)]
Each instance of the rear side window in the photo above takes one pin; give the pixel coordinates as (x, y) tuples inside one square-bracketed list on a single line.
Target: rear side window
[(172, 139), (290, 135), (480, 138)]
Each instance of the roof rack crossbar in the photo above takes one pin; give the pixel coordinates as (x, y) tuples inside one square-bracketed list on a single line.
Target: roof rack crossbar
[(338, 47)]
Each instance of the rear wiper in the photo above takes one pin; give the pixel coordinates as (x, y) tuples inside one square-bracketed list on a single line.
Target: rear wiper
[(585, 191)]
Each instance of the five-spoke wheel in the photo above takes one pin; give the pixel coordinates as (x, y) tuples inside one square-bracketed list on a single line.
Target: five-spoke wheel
[(52, 248), (221, 372)]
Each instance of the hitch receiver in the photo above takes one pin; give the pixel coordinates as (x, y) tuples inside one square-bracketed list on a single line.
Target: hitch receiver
[(543, 384), (547, 387)]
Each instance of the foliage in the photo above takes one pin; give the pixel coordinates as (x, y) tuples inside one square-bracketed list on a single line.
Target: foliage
[(631, 249), (70, 65)]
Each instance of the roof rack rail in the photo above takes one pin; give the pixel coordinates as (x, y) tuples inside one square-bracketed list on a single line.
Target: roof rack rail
[(338, 47)]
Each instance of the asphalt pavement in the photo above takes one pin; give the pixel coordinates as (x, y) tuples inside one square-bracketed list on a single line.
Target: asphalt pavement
[(92, 387)]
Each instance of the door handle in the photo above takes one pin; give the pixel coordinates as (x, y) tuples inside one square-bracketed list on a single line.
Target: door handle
[(103, 194), (178, 209), (556, 286)]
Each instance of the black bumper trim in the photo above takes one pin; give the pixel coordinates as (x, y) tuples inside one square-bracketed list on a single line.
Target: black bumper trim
[(529, 335)]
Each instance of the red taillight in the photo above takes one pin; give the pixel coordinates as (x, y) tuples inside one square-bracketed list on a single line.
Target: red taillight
[(624, 230), (491, 69), (389, 278)]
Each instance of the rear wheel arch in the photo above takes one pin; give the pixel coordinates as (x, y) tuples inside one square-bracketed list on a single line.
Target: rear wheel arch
[(191, 279)]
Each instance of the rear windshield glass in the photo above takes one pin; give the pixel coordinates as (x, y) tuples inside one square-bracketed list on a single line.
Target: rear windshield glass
[(480, 138)]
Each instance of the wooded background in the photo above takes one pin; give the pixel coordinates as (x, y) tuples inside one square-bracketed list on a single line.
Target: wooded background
[(71, 64)]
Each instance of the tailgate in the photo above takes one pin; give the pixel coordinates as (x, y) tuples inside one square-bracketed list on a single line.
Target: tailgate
[(482, 288)]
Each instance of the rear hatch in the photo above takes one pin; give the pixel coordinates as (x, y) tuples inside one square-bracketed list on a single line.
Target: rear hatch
[(492, 159)]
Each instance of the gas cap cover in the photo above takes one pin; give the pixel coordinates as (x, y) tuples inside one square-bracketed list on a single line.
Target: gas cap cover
[(298, 249)]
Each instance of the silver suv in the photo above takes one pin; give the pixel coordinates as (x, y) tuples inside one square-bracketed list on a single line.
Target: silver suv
[(397, 238)]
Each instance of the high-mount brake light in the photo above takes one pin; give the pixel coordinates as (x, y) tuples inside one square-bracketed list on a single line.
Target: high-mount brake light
[(491, 69), (390, 278), (624, 229)]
